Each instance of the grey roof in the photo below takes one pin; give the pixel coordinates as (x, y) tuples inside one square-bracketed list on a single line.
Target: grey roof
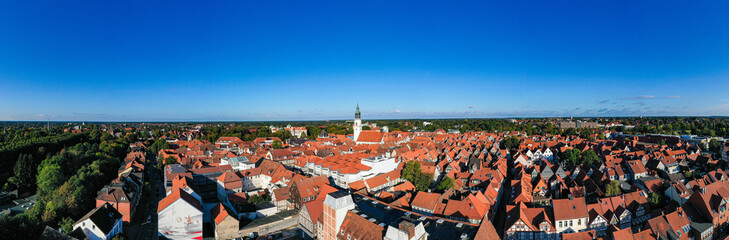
[(338, 199), (393, 217), (53, 234), (104, 217), (701, 227), (176, 168)]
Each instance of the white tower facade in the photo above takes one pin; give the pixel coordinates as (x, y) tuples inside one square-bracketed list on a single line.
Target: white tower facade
[(357, 126)]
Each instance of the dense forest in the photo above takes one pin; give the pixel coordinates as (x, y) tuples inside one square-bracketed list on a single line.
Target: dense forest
[(65, 180), (32, 151)]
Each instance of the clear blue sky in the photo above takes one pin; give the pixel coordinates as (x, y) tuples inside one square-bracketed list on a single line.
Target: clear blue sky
[(287, 60)]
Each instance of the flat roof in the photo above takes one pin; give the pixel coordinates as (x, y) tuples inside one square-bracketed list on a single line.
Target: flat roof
[(270, 219), (393, 217)]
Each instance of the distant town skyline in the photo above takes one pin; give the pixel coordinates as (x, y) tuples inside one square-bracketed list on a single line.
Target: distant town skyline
[(263, 61)]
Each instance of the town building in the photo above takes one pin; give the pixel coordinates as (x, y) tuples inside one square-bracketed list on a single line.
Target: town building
[(103, 222)]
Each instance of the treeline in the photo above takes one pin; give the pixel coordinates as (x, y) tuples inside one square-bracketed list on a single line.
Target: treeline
[(67, 183), (17, 134), (244, 133), (710, 127), (36, 148)]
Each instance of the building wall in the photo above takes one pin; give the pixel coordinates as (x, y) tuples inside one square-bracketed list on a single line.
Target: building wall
[(180, 220), (227, 229), (286, 223), (123, 208), (578, 224), (305, 223), (94, 233)]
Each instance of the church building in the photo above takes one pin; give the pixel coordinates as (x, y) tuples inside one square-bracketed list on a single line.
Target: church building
[(368, 136)]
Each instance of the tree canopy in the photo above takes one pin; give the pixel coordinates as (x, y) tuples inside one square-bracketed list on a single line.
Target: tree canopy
[(277, 144), (613, 188), (510, 142), (589, 157), (415, 175), (446, 183), (571, 155)]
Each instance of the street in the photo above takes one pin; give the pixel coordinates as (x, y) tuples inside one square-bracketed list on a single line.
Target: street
[(139, 228)]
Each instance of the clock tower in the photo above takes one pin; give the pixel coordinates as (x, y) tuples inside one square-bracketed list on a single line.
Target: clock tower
[(357, 123)]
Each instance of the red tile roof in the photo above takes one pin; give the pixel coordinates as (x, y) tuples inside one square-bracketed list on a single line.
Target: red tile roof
[(359, 228), (405, 187), (582, 235), (178, 194), (370, 136), (281, 194), (426, 200), (220, 212), (566, 209)]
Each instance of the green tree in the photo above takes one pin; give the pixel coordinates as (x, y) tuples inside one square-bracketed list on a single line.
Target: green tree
[(25, 171), (66, 225), (655, 199), (366, 127), (613, 188), (277, 144), (170, 160), (106, 137), (49, 178), (132, 137), (423, 181), (411, 171), (715, 147), (255, 199), (571, 155), (510, 142), (120, 237), (663, 142), (50, 212), (570, 132), (445, 184), (601, 136), (159, 144), (589, 157)]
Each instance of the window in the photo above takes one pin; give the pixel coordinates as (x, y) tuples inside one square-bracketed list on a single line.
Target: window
[(570, 223), (579, 222)]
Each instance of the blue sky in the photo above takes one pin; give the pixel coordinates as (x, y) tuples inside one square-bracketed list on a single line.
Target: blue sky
[(290, 60)]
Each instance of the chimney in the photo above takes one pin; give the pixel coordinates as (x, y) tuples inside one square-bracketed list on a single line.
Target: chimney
[(407, 227)]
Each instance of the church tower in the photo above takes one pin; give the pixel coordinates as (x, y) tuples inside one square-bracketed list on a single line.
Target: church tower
[(357, 123)]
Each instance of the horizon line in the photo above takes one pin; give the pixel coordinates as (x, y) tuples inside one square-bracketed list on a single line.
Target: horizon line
[(343, 119)]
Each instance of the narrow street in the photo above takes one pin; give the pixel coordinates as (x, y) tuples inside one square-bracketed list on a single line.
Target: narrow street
[(139, 228), (500, 214)]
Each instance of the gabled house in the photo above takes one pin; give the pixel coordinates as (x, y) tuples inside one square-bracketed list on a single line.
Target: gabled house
[(570, 215), (711, 202), (225, 222), (597, 221), (103, 222), (425, 203), (528, 223), (122, 193), (180, 216), (678, 192)]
